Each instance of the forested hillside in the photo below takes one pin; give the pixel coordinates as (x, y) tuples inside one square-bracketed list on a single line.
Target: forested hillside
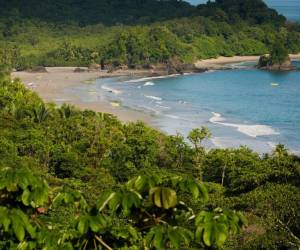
[(114, 12), (136, 33), (75, 179), (72, 179)]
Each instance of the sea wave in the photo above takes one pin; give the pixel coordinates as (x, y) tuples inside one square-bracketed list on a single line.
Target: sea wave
[(111, 90), (161, 106), (250, 130), (151, 78), (153, 97), (149, 84), (209, 71), (182, 102), (172, 116)]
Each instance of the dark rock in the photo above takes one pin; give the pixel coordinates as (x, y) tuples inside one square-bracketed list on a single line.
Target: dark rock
[(148, 66), (94, 66), (79, 70), (265, 64), (38, 69)]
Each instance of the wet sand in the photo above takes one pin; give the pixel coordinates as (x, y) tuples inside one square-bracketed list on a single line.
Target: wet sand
[(51, 87)]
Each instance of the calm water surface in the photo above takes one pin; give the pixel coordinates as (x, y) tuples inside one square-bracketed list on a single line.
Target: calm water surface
[(243, 106)]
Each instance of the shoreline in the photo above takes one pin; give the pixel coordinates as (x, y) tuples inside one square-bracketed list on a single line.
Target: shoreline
[(50, 85)]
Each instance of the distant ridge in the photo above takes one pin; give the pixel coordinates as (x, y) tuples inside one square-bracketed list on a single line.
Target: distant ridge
[(113, 12)]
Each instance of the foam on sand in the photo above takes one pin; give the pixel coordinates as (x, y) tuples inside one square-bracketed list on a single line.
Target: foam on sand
[(111, 90), (154, 97), (250, 130)]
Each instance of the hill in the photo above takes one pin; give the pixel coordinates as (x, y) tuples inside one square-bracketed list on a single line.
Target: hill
[(136, 33), (77, 179), (114, 12)]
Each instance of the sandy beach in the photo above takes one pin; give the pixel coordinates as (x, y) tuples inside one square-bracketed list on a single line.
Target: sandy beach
[(51, 85)]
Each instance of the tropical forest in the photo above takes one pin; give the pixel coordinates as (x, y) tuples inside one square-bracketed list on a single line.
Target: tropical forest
[(74, 178)]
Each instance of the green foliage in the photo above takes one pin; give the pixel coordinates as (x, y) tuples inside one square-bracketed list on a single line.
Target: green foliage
[(21, 185), (160, 32), (162, 217), (161, 236), (163, 197), (20, 192), (213, 227), (127, 186), (196, 137), (278, 54)]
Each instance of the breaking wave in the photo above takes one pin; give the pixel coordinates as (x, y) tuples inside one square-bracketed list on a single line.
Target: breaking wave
[(153, 97), (250, 130), (111, 90), (149, 84), (151, 78)]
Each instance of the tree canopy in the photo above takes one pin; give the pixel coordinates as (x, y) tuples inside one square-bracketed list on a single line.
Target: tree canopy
[(112, 33), (74, 179)]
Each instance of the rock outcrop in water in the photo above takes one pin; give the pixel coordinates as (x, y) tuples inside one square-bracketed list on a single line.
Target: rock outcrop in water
[(265, 62), (278, 60)]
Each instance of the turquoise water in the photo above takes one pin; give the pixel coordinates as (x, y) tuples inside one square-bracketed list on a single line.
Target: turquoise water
[(243, 106)]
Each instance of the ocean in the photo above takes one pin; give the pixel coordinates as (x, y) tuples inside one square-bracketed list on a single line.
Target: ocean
[(289, 8), (243, 106)]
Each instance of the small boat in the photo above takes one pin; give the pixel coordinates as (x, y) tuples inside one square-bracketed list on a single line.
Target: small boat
[(274, 84)]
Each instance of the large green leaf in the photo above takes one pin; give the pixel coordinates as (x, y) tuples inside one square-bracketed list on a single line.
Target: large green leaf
[(83, 225), (163, 197), (214, 227), (18, 229)]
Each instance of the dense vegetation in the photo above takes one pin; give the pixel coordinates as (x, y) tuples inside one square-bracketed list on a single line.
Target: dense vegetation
[(83, 180), (140, 32), (278, 55), (72, 179)]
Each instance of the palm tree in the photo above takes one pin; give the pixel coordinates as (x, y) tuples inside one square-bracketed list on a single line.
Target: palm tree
[(197, 137), (280, 151), (66, 111), (40, 113)]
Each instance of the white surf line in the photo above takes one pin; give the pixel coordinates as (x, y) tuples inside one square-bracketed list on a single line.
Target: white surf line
[(111, 90), (156, 98), (149, 84), (151, 78), (250, 130)]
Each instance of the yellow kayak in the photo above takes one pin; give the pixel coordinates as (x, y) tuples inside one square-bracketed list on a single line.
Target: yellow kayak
[(273, 84)]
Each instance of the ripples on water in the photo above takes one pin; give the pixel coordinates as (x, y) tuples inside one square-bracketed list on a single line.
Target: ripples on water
[(244, 106)]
